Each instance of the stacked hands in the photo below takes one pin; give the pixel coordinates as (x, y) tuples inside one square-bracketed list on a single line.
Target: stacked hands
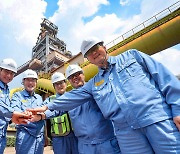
[(30, 115)]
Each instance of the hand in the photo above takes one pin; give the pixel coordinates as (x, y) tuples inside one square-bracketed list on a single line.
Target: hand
[(37, 117), (20, 118), (28, 113), (38, 109), (177, 121)]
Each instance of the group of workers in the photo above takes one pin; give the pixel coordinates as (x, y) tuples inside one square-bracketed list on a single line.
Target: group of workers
[(131, 106), (90, 131)]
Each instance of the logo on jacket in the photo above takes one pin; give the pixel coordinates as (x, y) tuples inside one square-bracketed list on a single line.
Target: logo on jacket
[(99, 83), (24, 101)]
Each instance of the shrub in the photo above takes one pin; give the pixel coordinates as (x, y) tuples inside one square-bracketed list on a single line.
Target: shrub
[(10, 141)]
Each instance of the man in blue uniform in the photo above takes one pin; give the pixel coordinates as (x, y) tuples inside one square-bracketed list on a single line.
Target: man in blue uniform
[(8, 68), (137, 93), (95, 133), (63, 139), (29, 137)]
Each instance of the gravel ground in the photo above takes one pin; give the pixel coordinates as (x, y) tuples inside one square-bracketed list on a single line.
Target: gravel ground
[(11, 150)]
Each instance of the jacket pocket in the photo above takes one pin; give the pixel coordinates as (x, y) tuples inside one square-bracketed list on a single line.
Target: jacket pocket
[(129, 69)]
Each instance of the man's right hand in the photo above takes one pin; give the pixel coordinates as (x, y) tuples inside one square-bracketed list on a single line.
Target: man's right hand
[(20, 118)]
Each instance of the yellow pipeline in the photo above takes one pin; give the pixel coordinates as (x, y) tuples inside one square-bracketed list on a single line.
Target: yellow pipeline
[(44, 85), (156, 40), (12, 91)]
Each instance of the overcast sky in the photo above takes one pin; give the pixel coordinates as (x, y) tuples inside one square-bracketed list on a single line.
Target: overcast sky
[(76, 19)]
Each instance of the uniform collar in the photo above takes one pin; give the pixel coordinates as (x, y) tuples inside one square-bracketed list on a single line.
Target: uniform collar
[(111, 61), (26, 93), (57, 95), (3, 86)]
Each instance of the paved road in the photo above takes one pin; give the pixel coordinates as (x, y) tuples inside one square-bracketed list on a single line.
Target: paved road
[(11, 150)]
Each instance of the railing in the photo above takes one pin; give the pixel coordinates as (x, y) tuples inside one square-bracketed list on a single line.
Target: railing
[(145, 24), (25, 64)]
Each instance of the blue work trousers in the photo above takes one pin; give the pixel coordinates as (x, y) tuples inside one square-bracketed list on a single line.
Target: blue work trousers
[(107, 147), (65, 145), (161, 138), (29, 144)]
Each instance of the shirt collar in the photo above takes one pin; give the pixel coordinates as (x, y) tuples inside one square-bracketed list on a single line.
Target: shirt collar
[(3, 86), (111, 61), (26, 93), (57, 94)]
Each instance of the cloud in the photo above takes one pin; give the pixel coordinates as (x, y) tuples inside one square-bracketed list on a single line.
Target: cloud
[(170, 58), (20, 24), (72, 27), (151, 8), (80, 7), (124, 2)]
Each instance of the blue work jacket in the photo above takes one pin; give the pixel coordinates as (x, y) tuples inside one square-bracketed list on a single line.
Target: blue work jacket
[(5, 109), (135, 89), (23, 100), (89, 125)]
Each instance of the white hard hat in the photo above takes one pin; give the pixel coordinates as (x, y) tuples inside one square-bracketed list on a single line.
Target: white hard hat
[(71, 69), (88, 44), (30, 74), (9, 64), (57, 76)]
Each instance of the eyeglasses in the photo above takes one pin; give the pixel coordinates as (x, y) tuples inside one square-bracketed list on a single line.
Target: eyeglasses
[(8, 72), (93, 49), (59, 83), (74, 75)]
